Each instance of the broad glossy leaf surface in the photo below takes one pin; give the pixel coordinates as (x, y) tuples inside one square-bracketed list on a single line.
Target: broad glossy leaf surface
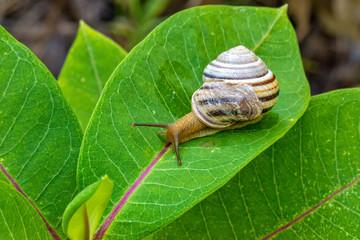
[(155, 82), (316, 158), (39, 134), (84, 212), (89, 64), (18, 218)]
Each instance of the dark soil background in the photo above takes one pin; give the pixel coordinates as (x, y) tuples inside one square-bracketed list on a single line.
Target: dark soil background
[(328, 30)]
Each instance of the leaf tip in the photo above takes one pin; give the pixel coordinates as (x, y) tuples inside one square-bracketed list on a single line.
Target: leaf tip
[(283, 8), (83, 26), (82, 23), (105, 179)]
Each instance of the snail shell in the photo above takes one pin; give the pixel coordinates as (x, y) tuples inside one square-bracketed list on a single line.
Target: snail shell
[(237, 87)]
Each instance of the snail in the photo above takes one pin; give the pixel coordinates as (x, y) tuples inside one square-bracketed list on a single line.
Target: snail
[(238, 89)]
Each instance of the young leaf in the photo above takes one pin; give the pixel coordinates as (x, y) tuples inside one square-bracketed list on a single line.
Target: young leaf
[(90, 62), (84, 212), (39, 134), (154, 83), (305, 186), (18, 218)]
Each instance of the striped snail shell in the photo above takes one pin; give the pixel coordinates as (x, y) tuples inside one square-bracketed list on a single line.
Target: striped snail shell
[(237, 87)]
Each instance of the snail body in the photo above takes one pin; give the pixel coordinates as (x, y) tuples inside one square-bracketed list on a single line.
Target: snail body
[(238, 89)]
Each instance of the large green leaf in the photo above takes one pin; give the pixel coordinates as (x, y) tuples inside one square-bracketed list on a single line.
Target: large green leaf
[(317, 157), (154, 83), (18, 218), (90, 62), (39, 134)]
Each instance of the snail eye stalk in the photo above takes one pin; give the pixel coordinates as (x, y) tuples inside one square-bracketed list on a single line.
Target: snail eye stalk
[(162, 125)]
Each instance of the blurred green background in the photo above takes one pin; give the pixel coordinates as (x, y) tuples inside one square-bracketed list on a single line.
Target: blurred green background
[(328, 30)]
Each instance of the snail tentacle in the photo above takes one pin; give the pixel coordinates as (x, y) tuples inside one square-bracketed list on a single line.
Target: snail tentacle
[(176, 143), (162, 125)]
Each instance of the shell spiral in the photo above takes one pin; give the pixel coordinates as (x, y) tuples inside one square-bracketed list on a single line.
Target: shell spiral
[(237, 87)]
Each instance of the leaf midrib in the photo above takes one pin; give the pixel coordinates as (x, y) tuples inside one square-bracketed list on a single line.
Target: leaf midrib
[(116, 209), (281, 11), (311, 210), (92, 61), (51, 231)]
